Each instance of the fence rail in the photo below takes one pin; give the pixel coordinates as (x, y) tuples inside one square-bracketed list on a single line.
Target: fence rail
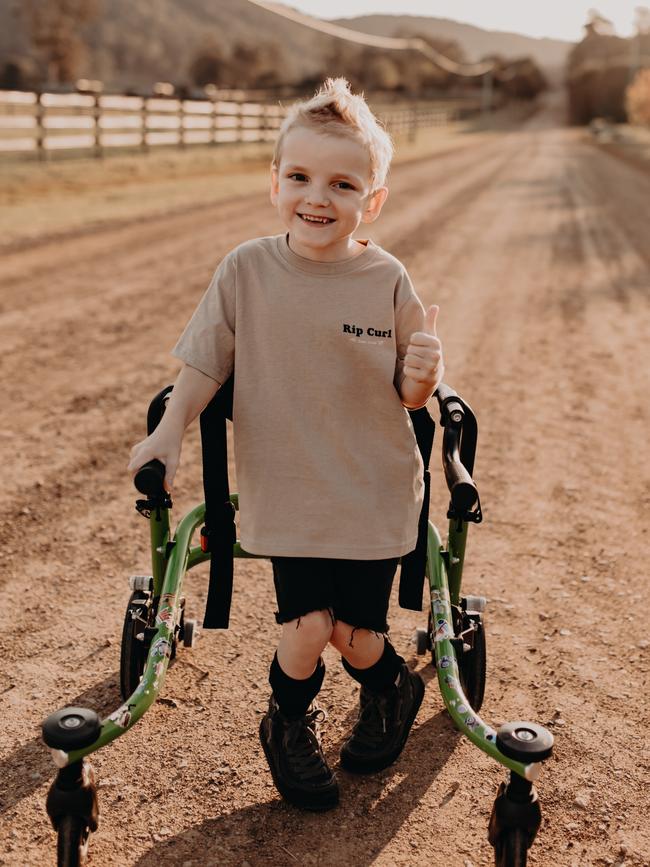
[(40, 123)]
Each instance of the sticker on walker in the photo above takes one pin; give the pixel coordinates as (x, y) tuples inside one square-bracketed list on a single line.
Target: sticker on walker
[(439, 595), (122, 716), (443, 630), (446, 662), (439, 607), (167, 600), (161, 647), (452, 682), (471, 722), (158, 669), (166, 616)]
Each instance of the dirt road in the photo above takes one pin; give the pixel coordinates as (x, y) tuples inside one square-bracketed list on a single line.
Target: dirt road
[(535, 246)]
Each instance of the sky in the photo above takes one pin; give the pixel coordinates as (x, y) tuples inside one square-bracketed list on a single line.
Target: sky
[(560, 19)]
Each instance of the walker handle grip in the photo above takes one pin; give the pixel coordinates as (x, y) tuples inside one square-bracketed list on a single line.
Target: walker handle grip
[(149, 479)]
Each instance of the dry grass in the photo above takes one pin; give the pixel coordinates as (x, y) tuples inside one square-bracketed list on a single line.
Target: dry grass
[(66, 194)]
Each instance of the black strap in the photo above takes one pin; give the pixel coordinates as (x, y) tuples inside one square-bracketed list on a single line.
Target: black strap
[(412, 573), (220, 528)]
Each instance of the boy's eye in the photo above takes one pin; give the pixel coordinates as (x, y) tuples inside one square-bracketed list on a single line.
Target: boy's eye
[(344, 185), (297, 176)]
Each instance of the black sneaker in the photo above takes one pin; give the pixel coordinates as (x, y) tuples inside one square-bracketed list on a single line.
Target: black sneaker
[(384, 723), (292, 748)]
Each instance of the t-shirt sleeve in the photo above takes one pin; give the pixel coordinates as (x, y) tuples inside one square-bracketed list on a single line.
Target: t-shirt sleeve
[(409, 317), (208, 341)]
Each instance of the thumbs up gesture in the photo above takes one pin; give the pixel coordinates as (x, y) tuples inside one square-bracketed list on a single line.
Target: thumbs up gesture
[(423, 359)]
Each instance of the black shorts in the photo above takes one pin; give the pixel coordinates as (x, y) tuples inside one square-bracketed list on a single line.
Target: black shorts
[(355, 591)]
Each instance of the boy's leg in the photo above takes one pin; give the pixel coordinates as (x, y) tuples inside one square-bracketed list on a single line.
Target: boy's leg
[(290, 731), (297, 669), (391, 694)]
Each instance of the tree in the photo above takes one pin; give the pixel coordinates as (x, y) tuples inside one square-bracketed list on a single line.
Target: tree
[(53, 27), (637, 99), (250, 66), (598, 25), (208, 65)]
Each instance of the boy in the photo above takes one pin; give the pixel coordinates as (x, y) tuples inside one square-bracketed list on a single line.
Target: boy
[(331, 344)]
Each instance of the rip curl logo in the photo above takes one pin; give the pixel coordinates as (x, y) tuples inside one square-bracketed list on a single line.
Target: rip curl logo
[(356, 331)]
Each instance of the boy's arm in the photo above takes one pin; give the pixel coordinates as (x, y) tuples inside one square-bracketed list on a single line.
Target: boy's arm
[(192, 391), (423, 368)]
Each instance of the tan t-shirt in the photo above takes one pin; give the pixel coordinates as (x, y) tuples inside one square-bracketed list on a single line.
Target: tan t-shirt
[(326, 457)]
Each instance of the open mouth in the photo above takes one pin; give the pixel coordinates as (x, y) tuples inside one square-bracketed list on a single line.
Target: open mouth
[(316, 221)]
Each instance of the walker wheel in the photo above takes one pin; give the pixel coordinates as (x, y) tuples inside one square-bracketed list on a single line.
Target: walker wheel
[(472, 665), (422, 641), (72, 841), (511, 848), (190, 633), (134, 648)]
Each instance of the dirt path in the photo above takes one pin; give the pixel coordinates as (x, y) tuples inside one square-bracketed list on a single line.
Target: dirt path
[(534, 245)]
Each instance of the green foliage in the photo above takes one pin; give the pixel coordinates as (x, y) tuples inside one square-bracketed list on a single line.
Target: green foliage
[(637, 99)]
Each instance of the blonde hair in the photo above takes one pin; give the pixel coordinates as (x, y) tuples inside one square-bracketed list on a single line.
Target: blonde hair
[(335, 109)]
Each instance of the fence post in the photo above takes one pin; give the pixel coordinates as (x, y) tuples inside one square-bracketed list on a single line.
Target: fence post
[(40, 129), (97, 114), (144, 113), (240, 121), (181, 128), (265, 122), (215, 116)]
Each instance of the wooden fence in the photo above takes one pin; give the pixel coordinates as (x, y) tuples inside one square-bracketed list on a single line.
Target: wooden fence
[(41, 123)]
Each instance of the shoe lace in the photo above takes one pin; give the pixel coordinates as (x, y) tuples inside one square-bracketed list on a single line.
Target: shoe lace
[(376, 710), (302, 744)]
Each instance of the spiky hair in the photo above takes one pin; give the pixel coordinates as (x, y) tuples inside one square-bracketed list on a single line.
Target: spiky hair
[(335, 110)]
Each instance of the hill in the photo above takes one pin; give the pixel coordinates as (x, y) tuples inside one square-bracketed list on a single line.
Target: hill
[(135, 44), (476, 42)]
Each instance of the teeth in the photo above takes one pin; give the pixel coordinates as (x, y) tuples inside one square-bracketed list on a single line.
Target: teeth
[(314, 219)]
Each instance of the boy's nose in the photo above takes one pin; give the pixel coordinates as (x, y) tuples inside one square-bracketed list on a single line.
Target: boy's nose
[(317, 197)]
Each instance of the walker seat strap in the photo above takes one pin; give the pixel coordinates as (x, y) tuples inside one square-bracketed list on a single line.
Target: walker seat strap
[(220, 533), (412, 574)]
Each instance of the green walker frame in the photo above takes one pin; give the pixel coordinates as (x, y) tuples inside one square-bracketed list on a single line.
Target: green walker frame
[(155, 625)]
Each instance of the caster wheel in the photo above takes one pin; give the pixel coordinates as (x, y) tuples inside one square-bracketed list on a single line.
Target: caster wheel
[(72, 842), (511, 848), (135, 642), (472, 665), (422, 641), (191, 631), (475, 603), (71, 728)]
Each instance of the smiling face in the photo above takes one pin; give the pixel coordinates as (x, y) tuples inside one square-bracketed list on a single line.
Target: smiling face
[(322, 192)]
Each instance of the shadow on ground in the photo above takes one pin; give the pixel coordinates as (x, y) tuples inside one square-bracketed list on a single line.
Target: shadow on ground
[(33, 756), (371, 812)]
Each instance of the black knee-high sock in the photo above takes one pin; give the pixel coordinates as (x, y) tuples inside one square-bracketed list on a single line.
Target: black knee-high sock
[(382, 674), (294, 696)]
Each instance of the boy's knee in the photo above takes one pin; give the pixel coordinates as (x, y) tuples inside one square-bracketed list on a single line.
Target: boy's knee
[(315, 627), (343, 635)]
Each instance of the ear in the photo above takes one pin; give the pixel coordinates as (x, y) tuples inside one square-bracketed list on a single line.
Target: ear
[(375, 204), (275, 185)]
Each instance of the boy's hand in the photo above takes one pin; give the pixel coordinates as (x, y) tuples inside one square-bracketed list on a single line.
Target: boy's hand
[(166, 449), (423, 359)]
